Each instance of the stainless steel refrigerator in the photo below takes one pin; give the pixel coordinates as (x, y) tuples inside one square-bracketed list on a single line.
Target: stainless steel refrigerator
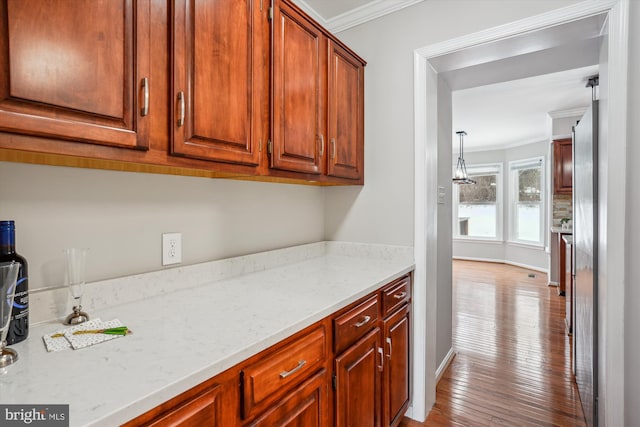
[(585, 239)]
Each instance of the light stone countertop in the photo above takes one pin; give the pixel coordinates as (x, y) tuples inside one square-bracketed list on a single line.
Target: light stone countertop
[(561, 230), (183, 337)]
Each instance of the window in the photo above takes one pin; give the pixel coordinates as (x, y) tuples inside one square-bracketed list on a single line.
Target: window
[(477, 207), (527, 201)]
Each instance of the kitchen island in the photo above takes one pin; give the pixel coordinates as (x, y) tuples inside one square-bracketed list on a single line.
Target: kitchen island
[(190, 324)]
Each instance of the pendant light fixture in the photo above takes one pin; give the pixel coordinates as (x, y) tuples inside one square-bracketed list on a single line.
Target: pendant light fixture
[(461, 176)]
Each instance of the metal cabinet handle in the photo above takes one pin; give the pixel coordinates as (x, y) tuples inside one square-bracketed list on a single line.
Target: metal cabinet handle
[(400, 295), (390, 347), (285, 374), (145, 97), (333, 148), (182, 108), (321, 145), (381, 365), (363, 322)]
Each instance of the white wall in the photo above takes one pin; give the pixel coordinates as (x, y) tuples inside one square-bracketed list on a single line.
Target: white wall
[(561, 127), (632, 290), (504, 251), (120, 216)]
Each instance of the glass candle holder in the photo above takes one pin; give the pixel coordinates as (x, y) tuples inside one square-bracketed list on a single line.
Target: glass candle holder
[(76, 260)]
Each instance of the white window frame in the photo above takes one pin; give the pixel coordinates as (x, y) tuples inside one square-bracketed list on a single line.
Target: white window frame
[(479, 170), (514, 167)]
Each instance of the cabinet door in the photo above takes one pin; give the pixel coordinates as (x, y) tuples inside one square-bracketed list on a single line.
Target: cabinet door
[(307, 406), (345, 114), (205, 409), (219, 80), (358, 375), (395, 387), (298, 92), (75, 70), (563, 173)]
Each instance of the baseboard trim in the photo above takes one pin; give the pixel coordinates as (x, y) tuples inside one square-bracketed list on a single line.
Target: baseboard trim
[(445, 364), (503, 261)]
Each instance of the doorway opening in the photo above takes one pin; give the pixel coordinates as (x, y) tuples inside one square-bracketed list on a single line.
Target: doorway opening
[(433, 168)]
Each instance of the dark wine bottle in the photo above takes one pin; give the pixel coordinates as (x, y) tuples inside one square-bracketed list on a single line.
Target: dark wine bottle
[(19, 324)]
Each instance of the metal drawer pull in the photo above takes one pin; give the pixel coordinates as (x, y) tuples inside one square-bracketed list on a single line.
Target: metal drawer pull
[(285, 374), (390, 347), (182, 108), (333, 144), (321, 145), (381, 365), (363, 322), (145, 102), (400, 295)]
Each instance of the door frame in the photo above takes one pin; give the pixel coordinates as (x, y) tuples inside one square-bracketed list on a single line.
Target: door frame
[(612, 178)]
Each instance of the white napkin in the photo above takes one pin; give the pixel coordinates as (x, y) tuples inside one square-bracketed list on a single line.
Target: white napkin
[(83, 340)]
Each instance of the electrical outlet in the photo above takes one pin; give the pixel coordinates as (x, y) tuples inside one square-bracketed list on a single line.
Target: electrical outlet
[(171, 248)]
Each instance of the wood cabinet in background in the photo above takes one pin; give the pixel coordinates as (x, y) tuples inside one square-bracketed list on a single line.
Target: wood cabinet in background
[(220, 80), (562, 166), (76, 70)]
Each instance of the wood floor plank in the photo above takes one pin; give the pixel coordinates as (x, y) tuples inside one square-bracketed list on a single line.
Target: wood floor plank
[(513, 361)]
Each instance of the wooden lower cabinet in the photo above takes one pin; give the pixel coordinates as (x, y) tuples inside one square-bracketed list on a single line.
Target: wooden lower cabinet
[(209, 404), (204, 409), (395, 389), (348, 369), (307, 406), (358, 380)]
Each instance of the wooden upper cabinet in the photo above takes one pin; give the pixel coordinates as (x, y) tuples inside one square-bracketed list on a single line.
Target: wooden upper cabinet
[(220, 80), (562, 166), (345, 114), (298, 91), (76, 70)]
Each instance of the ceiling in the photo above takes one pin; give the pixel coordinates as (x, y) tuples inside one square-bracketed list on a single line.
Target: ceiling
[(516, 112), (503, 91)]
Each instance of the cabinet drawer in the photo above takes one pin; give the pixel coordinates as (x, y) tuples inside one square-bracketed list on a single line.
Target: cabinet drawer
[(355, 323), (396, 294), (270, 378)]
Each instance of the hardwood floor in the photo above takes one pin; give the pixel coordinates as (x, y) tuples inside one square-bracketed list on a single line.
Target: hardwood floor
[(512, 365)]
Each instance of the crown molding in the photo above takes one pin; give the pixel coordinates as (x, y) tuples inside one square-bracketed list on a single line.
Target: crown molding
[(357, 16), (366, 13), (563, 114), (312, 12), (502, 147)]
